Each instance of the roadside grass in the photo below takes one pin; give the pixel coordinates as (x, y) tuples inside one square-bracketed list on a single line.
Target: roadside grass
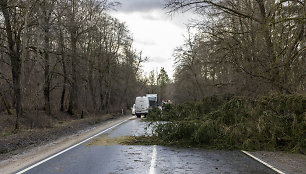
[(276, 122), (43, 132)]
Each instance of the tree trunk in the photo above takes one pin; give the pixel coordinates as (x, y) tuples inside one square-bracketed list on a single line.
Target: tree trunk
[(47, 83), (73, 100), (64, 83), (63, 61), (6, 105), (275, 74), (16, 71), (74, 90), (91, 87), (15, 57), (90, 66)]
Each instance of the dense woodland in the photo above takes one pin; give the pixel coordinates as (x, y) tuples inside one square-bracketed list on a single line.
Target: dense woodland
[(65, 55), (72, 56), (241, 47), (239, 80)]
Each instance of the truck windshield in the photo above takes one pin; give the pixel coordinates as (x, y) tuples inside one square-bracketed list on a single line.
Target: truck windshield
[(153, 103)]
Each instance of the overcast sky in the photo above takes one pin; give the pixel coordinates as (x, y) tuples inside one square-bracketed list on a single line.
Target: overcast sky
[(155, 32)]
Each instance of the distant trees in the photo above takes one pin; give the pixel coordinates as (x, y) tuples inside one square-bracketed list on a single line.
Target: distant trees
[(152, 82), (163, 83), (159, 83), (248, 47), (65, 55)]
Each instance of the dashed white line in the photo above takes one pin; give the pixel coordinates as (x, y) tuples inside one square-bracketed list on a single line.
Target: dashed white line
[(69, 148), (153, 161), (264, 163)]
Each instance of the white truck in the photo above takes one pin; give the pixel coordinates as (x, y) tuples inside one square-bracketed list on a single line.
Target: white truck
[(152, 100), (142, 106)]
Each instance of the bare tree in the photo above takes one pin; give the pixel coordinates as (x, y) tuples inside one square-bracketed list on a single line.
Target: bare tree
[(45, 20), (261, 40), (67, 53), (13, 28)]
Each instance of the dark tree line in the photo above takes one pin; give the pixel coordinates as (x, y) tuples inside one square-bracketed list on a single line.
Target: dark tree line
[(65, 55), (242, 47)]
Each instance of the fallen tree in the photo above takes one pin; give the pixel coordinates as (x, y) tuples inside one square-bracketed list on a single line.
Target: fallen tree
[(276, 122)]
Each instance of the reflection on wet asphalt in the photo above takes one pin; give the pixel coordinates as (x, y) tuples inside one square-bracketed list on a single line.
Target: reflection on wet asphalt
[(95, 159)]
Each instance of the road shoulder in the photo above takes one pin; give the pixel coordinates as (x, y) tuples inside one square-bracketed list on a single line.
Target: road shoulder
[(32, 155), (283, 161)]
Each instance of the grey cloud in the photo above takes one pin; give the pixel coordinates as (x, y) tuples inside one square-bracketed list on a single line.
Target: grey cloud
[(151, 17), (144, 42), (139, 5), (159, 60)]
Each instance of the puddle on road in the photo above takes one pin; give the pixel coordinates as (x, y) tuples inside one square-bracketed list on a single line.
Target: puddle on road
[(104, 140)]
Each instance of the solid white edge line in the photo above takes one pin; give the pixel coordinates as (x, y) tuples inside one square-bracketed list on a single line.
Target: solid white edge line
[(266, 164), (69, 148), (153, 161)]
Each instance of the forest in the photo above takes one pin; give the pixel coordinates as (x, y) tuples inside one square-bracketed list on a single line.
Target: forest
[(65, 56), (241, 48), (73, 57)]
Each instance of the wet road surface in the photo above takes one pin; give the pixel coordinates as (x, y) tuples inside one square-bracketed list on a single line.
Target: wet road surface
[(100, 155)]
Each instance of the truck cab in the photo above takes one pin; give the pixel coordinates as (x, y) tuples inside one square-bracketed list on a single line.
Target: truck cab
[(152, 100)]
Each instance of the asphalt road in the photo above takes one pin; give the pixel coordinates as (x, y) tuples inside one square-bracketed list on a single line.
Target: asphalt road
[(102, 155)]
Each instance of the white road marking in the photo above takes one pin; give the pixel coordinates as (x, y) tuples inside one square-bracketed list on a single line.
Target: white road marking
[(153, 161), (69, 148), (266, 164)]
